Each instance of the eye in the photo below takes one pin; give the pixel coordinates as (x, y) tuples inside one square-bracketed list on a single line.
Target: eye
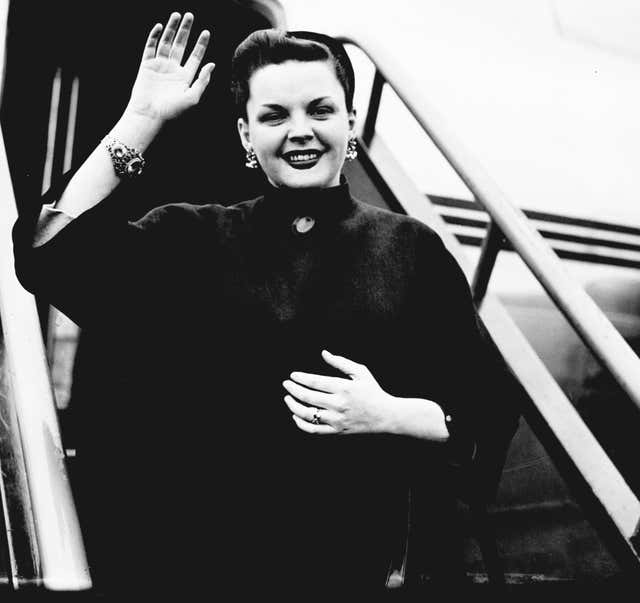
[(272, 117), (322, 111)]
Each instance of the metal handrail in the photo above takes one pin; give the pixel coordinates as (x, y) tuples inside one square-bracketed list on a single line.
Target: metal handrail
[(557, 423), (608, 498), (47, 492), (59, 540), (599, 335)]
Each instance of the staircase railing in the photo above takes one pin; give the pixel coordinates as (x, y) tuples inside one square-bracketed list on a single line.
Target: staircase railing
[(617, 509), (43, 533)]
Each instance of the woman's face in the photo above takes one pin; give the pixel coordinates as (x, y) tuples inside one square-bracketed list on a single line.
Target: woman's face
[(298, 123)]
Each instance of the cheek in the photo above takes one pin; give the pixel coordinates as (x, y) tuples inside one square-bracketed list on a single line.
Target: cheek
[(267, 143), (338, 135)]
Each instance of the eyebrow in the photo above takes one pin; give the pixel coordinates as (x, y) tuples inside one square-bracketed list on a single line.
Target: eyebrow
[(315, 101)]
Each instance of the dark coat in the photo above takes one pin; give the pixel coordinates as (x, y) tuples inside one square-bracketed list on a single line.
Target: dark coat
[(205, 311)]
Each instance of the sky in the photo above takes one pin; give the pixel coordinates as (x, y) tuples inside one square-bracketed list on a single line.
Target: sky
[(543, 93)]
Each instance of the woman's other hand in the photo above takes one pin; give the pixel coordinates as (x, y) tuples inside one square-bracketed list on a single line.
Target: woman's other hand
[(357, 404), (353, 404), (164, 87)]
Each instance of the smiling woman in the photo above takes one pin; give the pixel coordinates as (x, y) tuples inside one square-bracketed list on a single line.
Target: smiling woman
[(298, 115), (299, 138), (242, 430)]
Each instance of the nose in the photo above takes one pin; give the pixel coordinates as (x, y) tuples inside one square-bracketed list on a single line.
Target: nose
[(300, 130)]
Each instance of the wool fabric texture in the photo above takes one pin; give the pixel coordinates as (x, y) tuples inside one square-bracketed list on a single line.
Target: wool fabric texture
[(204, 310)]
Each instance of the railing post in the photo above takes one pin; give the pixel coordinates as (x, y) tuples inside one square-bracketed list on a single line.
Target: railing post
[(374, 105), (491, 246)]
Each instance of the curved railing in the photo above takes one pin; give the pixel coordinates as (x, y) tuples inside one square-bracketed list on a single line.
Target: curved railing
[(45, 542), (597, 475)]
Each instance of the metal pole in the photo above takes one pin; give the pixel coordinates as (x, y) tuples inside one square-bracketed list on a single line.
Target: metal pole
[(491, 246), (597, 332), (369, 127), (61, 550)]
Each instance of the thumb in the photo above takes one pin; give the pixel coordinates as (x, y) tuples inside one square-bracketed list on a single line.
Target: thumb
[(348, 367)]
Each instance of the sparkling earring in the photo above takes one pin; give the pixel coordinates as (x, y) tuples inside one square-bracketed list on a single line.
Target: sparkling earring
[(352, 151), (252, 159)]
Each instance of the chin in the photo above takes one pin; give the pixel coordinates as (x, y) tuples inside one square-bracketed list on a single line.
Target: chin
[(306, 179)]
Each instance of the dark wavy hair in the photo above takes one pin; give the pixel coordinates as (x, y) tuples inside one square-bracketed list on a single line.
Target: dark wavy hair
[(275, 46)]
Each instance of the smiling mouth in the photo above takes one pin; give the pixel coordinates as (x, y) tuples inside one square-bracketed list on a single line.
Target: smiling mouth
[(302, 160)]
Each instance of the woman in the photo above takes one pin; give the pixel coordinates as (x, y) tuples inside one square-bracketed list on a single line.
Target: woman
[(283, 368)]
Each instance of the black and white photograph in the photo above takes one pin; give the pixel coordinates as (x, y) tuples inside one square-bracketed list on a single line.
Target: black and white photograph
[(332, 301)]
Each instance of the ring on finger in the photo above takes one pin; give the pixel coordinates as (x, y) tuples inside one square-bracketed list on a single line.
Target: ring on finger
[(316, 417)]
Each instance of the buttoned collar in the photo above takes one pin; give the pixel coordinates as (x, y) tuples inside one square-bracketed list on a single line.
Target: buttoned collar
[(302, 212)]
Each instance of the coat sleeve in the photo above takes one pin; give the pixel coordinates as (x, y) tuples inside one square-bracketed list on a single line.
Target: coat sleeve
[(99, 262), (478, 394)]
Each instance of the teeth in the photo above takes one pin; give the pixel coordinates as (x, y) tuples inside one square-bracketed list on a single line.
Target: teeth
[(303, 157)]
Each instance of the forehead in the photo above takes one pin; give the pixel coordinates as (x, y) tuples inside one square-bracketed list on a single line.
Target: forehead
[(294, 82)]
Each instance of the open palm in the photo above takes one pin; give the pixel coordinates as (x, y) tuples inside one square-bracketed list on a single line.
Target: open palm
[(164, 88)]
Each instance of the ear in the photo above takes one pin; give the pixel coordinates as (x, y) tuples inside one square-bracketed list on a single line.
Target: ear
[(351, 117), (243, 132)]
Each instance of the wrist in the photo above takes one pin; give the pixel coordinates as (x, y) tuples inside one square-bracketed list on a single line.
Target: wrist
[(418, 417), (136, 129), (390, 421)]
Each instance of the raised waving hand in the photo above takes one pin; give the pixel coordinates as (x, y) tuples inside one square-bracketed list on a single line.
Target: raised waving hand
[(165, 86)]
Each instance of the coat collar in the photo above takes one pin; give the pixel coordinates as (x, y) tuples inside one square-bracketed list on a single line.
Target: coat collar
[(279, 209)]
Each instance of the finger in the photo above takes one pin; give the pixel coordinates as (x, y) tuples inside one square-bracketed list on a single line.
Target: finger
[(164, 48), (321, 383), (197, 54), (314, 429), (308, 396), (149, 51), (348, 367), (308, 413), (180, 42), (200, 85)]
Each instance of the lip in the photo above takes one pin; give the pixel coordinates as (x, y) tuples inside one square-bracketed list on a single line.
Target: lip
[(302, 159)]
